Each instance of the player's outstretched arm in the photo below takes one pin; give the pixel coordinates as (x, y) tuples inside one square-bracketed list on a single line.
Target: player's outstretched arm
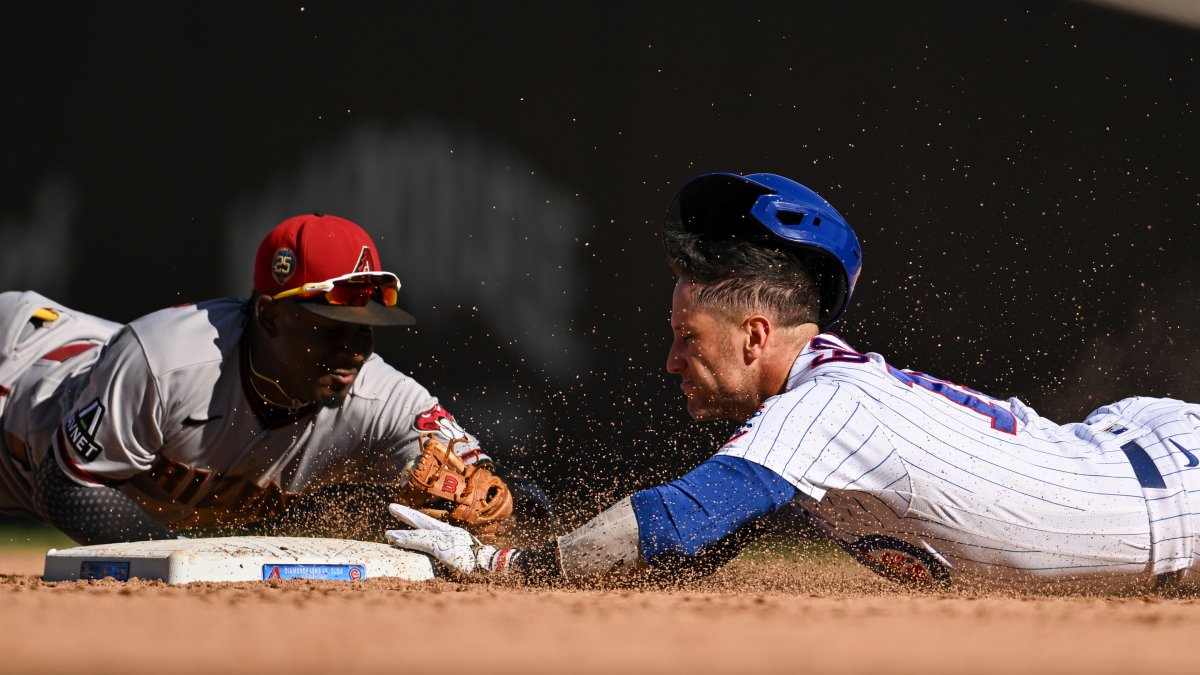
[(689, 524), (92, 514)]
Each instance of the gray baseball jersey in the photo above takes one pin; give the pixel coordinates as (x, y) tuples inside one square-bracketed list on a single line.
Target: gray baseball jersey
[(163, 411), (923, 478)]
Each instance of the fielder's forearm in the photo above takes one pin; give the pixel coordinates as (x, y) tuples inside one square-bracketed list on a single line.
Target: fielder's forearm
[(92, 514)]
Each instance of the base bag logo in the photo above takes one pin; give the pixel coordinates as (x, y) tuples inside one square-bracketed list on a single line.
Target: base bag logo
[(321, 572)]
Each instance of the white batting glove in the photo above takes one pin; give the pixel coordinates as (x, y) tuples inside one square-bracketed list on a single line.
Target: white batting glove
[(452, 546)]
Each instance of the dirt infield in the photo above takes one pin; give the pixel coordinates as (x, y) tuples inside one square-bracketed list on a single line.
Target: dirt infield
[(762, 617)]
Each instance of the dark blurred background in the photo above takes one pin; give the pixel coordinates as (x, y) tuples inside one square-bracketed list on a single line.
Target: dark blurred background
[(1022, 175)]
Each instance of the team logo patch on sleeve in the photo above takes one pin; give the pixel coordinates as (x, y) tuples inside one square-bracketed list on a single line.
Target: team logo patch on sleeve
[(81, 430), (437, 419), (746, 426)]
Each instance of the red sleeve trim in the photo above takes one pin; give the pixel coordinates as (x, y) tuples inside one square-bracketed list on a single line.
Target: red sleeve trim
[(72, 469), (67, 351)]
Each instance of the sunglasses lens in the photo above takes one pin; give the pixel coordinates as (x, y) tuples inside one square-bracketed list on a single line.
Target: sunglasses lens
[(356, 293), (390, 295)]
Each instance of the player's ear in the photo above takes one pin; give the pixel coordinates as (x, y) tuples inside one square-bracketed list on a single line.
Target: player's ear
[(265, 313), (757, 331)]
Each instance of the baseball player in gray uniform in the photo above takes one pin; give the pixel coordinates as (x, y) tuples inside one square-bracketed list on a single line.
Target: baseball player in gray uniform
[(920, 479), (221, 413)]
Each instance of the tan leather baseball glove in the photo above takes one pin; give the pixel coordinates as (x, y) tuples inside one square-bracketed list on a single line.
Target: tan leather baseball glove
[(441, 485)]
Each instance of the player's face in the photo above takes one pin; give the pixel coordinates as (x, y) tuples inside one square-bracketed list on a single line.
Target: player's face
[(320, 357), (706, 354)]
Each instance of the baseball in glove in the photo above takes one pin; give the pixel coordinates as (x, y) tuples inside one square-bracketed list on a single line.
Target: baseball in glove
[(441, 485)]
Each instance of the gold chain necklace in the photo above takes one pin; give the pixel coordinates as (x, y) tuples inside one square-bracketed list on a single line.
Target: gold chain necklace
[(295, 404)]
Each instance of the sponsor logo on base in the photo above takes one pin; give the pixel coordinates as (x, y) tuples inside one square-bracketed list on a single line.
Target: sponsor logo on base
[(103, 569), (321, 572)]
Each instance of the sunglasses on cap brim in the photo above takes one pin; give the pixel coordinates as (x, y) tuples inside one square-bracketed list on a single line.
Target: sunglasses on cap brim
[(350, 290)]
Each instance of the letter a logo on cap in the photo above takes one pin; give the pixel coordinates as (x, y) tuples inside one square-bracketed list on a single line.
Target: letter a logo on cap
[(364, 261)]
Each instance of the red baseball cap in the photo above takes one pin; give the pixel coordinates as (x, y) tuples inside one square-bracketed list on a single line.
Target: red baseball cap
[(317, 259)]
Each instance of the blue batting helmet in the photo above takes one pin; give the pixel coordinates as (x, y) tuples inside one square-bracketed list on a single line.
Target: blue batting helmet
[(718, 204)]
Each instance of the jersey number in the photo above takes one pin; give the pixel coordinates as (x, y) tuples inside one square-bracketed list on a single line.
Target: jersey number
[(1002, 418)]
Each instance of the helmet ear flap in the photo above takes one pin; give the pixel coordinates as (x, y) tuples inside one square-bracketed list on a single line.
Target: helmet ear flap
[(831, 282)]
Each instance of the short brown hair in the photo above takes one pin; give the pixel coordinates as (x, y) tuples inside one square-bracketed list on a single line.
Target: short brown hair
[(746, 274)]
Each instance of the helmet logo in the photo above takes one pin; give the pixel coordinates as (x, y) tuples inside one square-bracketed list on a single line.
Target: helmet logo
[(284, 266)]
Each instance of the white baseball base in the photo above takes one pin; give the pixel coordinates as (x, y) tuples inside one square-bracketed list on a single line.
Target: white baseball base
[(180, 561)]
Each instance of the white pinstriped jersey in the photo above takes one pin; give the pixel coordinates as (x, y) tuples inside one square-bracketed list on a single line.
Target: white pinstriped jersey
[(163, 412), (919, 478)]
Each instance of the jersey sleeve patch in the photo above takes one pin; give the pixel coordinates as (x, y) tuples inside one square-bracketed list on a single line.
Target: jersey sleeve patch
[(746, 427), (80, 430), (438, 420)]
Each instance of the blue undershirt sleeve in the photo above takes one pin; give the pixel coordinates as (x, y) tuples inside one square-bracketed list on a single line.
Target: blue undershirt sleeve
[(684, 517)]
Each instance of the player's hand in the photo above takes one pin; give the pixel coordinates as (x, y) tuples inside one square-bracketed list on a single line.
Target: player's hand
[(451, 546)]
